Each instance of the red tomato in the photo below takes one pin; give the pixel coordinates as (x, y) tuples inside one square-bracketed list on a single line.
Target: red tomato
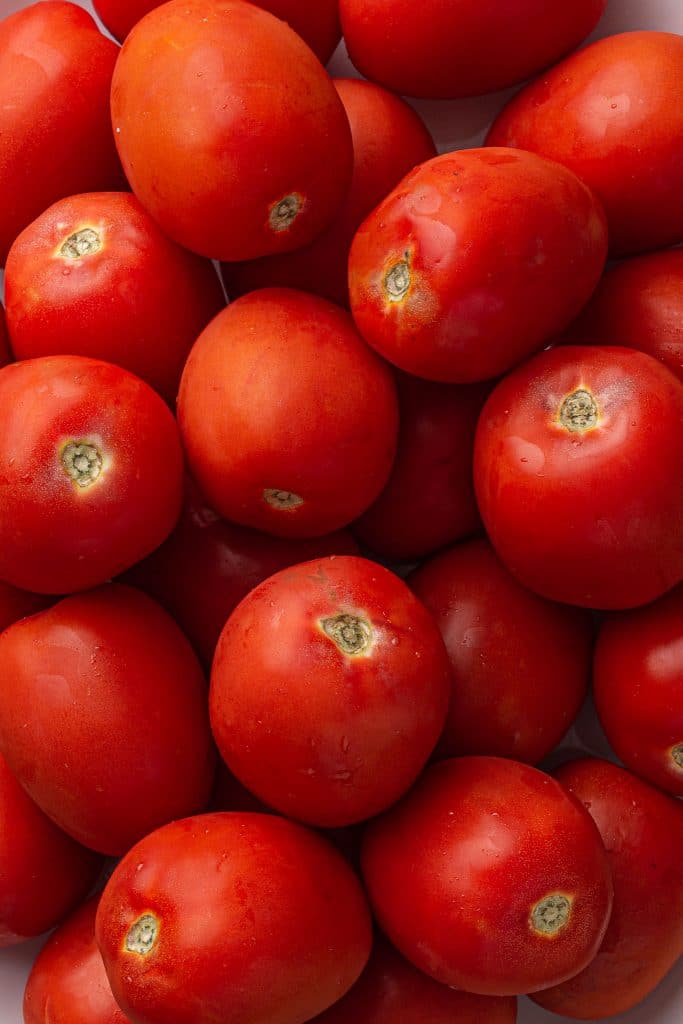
[(289, 421), (521, 665), (5, 354), (638, 689), (347, 747), (100, 264), (90, 472), (16, 604), (55, 75), (43, 872), (269, 166), (642, 830), (473, 262), (237, 917), (103, 717), (389, 139), (577, 468), (612, 113)]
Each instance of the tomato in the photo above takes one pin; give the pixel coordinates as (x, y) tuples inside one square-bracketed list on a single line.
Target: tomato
[(90, 472), (103, 717), (473, 262), (270, 165), (5, 354), (577, 468), (451, 48), (638, 689), (55, 75), (521, 664), (16, 604), (642, 830), (287, 932), (612, 114), (347, 747), (389, 139), (289, 421), (99, 263)]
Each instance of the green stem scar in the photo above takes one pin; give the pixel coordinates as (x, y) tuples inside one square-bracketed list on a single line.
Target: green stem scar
[(82, 462), (351, 634), (82, 243), (551, 914), (143, 934), (579, 412)]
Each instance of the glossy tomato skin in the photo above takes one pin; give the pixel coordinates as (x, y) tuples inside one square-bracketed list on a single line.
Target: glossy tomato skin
[(348, 747), (16, 604), (521, 664), (612, 114), (55, 75), (270, 166), (43, 872), (65, 419), (265, 878), (98, 263), (473, 262), (289, 420), (104, 716), (577, 472), (638, 689), (5, 354), (642, 830)]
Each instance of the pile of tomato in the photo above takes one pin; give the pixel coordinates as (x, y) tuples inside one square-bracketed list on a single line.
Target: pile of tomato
[(299, 589)]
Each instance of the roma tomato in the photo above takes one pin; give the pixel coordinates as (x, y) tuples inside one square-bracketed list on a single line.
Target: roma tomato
[(638, 689), (577, 467), (270, 165), (16, 604), (90, 472), (489, 877), (474, 261), (287, 934), (612, 113), (642, 830), (521, 664), (98, 264), (349, 746), (289, 421), (103, 717), (5, 354)]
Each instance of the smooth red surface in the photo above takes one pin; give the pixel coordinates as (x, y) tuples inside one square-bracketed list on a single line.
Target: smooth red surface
[(348, 746), (15, 604), (612, 114), (139, 301), (5, 354), (259, 920), (502, 250), (521, 664), (184, 96), (103, 716), (591, 518), (642, 830)]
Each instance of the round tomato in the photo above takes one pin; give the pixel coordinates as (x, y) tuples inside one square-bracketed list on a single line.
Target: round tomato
[(16, 604), (5, 354), (231, 93), (237, 917), (577, 468), (474, 261)]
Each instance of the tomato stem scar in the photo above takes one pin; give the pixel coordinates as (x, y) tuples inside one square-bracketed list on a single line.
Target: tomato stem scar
[(82, 462), (677, 755), (351, 634), (283, 213), (142, 935), (397, 280), (82, 243), (551, 914), (579, 412), (282, 499)]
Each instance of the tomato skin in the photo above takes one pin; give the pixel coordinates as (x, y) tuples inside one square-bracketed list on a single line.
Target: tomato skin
[(138, 301), (473, 262), (57, 536), (521, 664), (276, 882), (642, 830), (16, 604), (347, 748), (5, 353), (104, 717), (169, 111), (612, 114), (590, 518)]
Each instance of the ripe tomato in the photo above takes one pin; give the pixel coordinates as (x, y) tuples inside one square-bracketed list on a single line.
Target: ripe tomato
[(270, 164), (349, 746), (16, 604), (90, 472), (237, 917), (473, 262), (612, 113), (577, 468), (5, 354), (489, 877), (289, 421), (521, 665), (103, 717), (99, 263), (642, 830)]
